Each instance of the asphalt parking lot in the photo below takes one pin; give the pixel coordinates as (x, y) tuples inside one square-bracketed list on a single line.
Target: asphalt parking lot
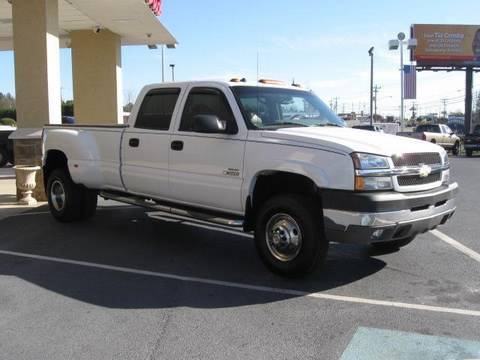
[(132, 285)]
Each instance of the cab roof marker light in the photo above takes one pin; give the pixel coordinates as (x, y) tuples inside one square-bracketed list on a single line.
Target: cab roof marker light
[(271, 82), (238, 80)]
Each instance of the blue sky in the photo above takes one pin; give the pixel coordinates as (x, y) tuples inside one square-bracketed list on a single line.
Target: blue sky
[(322, 44)]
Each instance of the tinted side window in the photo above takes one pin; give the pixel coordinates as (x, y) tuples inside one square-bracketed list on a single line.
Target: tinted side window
[(207, 101), (157, 109)]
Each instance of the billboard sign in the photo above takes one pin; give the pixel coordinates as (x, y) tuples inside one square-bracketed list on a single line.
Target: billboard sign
[(446, 45)]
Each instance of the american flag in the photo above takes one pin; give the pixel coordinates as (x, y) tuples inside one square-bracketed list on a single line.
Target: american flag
[(155, 6), (410, 82)]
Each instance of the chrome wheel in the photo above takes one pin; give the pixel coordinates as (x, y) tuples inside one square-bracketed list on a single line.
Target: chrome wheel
[(283, 236), (57, 195)]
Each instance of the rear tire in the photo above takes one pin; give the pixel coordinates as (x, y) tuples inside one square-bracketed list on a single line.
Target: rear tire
[(456, 148), (289, 234), (469, 152), (394, 244), (68, 201), (3, 157)]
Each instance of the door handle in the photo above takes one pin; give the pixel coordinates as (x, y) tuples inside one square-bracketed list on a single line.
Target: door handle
[(177, 145), (134, 142)]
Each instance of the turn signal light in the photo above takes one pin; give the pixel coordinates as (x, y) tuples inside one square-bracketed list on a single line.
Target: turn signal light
[(359, 183)]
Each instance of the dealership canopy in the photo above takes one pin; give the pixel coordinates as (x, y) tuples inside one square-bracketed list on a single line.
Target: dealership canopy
[(133, 20)]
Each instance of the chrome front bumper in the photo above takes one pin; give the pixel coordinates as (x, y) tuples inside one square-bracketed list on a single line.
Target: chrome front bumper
[(426, 213)]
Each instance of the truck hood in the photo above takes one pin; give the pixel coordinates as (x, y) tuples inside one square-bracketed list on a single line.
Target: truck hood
[(348, 140)]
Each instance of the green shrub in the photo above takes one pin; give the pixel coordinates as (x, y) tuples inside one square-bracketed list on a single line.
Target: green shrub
[(8, 122)]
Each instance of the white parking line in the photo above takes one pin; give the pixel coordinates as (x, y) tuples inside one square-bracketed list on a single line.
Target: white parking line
[(317, 295), (457, 245)]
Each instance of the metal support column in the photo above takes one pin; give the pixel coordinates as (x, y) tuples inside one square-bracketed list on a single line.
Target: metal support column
[(468, 99)]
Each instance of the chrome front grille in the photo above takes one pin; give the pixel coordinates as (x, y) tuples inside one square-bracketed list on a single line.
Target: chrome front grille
[(415, 159), (412, 180)]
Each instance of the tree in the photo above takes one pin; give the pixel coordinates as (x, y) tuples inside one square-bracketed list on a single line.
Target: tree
[(67, 108), (128, 107), (7, 101)]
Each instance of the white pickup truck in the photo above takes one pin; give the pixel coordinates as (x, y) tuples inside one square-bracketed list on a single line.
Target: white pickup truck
[(437, 134), (273, 160)]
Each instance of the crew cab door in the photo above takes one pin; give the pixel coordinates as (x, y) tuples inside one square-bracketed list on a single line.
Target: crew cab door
[(206, 169), (146, 143), (448, 135)]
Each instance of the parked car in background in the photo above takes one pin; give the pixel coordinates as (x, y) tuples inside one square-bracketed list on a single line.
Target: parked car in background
[(472, 141), (368, 127), (438, 134), (6, 145), (68, 120)]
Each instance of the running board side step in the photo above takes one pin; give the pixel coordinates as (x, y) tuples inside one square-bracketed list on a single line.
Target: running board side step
[(152, 204)]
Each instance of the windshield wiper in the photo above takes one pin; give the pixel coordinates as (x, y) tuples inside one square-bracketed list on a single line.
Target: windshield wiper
[(328, 124), (285, 123)]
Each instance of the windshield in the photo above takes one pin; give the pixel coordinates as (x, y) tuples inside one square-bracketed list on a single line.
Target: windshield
[(428, 128), (274, 108)]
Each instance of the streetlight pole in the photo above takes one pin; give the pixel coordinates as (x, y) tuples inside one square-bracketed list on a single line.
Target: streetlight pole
[(163, 64), (173, 72), (394, 45), (370, 52), (402, 93)]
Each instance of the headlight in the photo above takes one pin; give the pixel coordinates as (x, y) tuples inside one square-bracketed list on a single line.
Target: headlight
[(446, 177), (369, 161), (445, 158), (369, 182)]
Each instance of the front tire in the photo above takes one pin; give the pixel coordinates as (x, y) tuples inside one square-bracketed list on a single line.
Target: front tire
[(68, 201), (289, 234)]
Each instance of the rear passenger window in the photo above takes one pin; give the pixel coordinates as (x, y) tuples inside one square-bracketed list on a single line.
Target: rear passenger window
[(207, 101), (157, 109)]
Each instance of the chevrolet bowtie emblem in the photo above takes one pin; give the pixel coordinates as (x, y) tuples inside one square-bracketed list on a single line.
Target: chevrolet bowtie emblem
[(425, 170)]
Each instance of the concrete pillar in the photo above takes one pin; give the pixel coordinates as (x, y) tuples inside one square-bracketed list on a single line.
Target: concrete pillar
[(97, 77), (37, 78)]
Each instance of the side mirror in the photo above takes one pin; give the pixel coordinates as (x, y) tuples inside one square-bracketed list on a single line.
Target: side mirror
[(209, 124)]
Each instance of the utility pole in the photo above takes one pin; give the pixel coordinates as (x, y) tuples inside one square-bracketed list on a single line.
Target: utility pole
[(413, 110), (444, 112), (336, 105), (376, 88)]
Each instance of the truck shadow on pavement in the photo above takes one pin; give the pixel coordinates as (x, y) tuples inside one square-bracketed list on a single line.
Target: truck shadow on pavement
[(127, 237)]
